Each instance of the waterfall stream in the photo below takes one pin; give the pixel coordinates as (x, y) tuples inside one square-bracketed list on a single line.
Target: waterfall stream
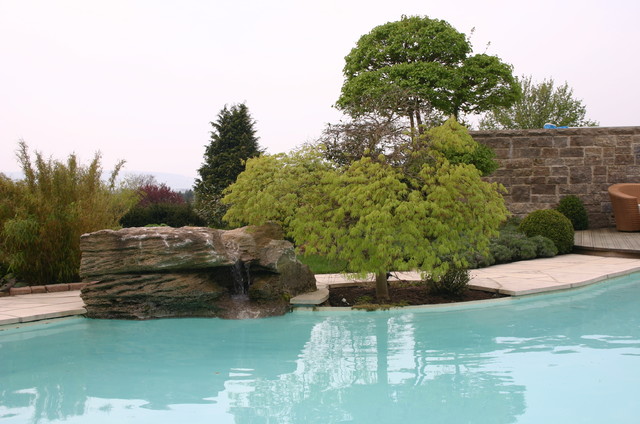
[(241, 277)]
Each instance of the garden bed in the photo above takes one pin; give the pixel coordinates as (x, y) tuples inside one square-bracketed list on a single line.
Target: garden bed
[(400, 295)]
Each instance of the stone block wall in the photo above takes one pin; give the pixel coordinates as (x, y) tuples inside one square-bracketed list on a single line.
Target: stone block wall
[(539, 167)]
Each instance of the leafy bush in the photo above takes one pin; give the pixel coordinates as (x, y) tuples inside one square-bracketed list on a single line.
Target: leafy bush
[(482, 157), (501, 253), (572, 207), (158, 193), (512, 246), (551, 224), (452, 283), (322, 265), (43, 216), (479, 260), (171, 214), (545, 248)]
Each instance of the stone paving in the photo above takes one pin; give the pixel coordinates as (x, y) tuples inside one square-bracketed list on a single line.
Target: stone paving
[(523, 277), (515, 279), (35, 307)]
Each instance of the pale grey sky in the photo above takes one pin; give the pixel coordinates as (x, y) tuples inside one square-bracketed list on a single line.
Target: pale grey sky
[(140, 80)]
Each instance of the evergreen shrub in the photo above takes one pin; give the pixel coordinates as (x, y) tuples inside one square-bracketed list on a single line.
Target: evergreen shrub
[(170, 214), (512, 245), (551, 224), (572, 207), (545, 248), (453, 283)]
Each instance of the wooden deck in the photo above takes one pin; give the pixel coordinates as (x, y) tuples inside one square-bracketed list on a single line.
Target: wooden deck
[(608, 242)]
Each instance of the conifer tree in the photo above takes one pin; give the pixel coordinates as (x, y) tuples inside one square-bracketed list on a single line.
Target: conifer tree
[(233, 141)]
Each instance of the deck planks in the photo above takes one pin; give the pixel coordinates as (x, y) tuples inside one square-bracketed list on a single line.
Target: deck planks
[(607, 240)]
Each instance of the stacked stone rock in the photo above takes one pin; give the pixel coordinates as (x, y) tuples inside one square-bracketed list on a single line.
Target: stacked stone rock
[(159, 272), (539, 167)]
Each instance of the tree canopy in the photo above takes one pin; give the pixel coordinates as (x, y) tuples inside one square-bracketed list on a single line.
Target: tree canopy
[(233, 141), (426, 215), (418, 64), (540, 104)]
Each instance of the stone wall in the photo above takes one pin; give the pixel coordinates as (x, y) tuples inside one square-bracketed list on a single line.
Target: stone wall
[(539, 167)]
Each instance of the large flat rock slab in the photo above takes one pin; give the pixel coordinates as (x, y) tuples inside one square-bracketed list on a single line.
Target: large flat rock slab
[(152, 250), (162, 272)]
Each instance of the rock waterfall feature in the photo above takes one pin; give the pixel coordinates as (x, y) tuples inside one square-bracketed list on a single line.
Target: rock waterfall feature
[(163, 272)]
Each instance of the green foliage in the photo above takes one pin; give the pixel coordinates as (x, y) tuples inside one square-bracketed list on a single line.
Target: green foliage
[(540, 104), (419, 64), (233, 141), (43, 216), (372, 215), (454, 141), (159, 205), (452, 283), (321, 265), (551, 224), (171, 214), (545, 248), (512, 245), (572, 207)]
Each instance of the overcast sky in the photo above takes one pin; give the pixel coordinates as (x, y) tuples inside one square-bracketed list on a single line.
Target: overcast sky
[(141, 80)]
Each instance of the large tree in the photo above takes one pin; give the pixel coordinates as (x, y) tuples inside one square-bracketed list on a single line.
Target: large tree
[(426, 214), (233, 141), (417, 65), (540, 104)]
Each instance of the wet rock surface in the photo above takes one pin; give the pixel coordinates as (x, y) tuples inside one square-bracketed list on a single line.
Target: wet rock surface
[(162, 272)]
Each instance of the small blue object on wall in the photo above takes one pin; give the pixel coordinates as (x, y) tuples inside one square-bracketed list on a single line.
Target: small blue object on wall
[(553, 126)]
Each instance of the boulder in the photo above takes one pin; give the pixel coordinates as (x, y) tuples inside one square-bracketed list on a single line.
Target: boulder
[(158, 272)]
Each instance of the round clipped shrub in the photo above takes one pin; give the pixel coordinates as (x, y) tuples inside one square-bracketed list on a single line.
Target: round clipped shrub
[(572, 207), (551, 224)]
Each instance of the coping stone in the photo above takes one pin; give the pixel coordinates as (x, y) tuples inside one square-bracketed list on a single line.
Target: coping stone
[(313, 298)]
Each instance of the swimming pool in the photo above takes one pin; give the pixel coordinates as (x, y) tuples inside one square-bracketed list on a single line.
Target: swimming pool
[(571, 357)]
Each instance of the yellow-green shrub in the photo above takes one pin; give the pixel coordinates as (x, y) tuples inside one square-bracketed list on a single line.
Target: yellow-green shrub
[(43, 216)]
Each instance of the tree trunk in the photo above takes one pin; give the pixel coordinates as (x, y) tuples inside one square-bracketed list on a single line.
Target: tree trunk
[(382, 288), (419, 122)]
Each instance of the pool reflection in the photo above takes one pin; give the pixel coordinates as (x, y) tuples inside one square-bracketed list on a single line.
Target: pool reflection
[(493, 365)]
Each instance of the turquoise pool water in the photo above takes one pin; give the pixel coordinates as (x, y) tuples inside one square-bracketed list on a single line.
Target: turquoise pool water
[(572, 357)]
